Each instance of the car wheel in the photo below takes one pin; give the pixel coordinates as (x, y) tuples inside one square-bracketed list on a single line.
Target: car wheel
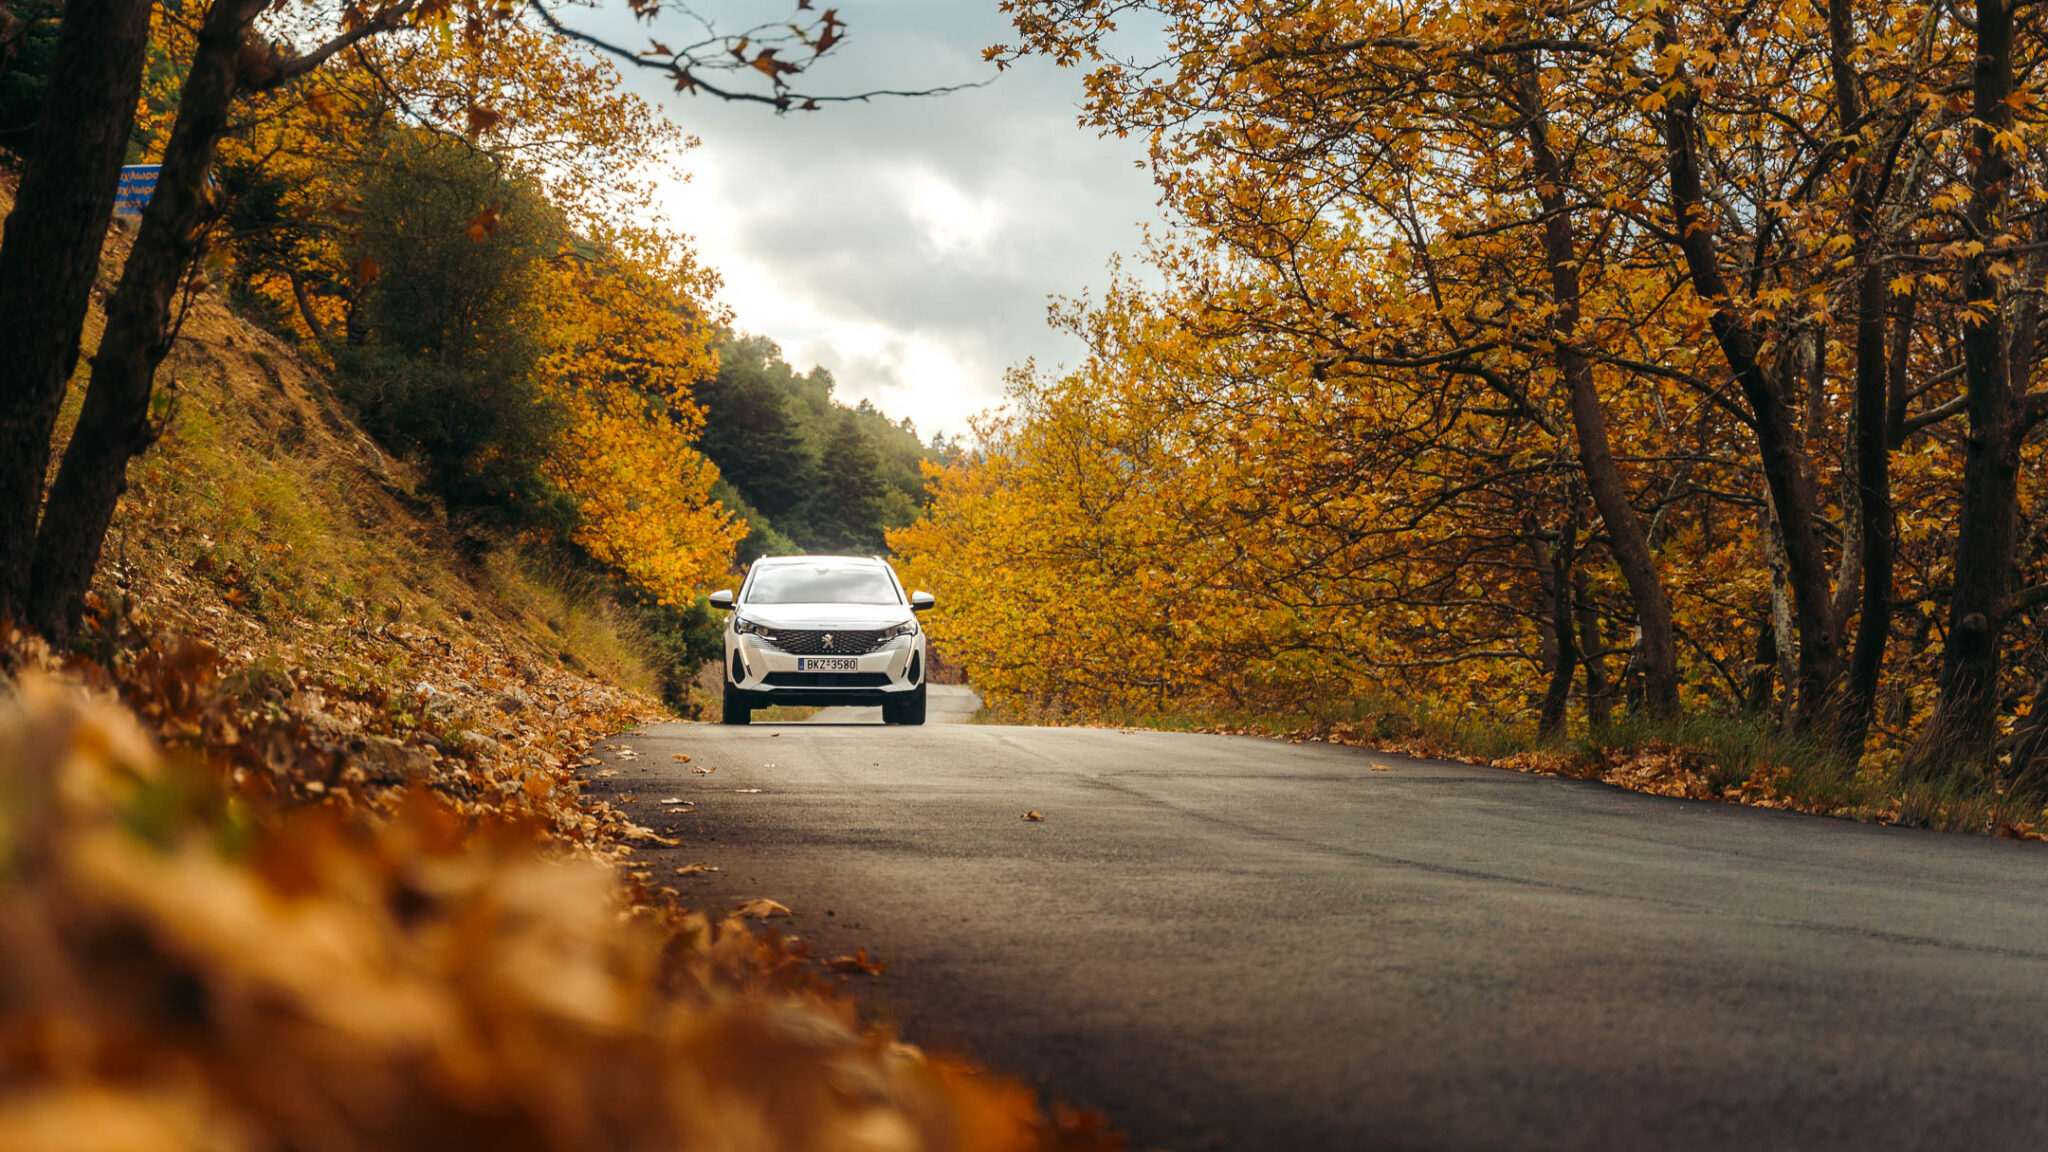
[(910, 711), (738, 709)]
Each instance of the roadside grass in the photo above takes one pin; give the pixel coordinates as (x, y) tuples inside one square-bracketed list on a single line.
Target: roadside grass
[(1704, 756), (574, 609)]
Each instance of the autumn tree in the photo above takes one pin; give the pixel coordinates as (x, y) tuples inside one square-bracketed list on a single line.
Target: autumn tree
[(1773, 352), (452, 326), (49, 256), (446, 226), (238, 51)]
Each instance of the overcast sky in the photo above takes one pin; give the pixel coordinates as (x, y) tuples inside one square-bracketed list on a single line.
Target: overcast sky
[(908, 245)]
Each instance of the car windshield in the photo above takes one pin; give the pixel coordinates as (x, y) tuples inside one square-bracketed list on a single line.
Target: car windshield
[(805, 584)]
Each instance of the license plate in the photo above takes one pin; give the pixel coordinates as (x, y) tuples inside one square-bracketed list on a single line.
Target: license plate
[(827, 664)]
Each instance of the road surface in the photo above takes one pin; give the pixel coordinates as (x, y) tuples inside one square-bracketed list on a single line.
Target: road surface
[(1244, 944)]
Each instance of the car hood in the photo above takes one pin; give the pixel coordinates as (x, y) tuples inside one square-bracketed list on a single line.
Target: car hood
[(860, 616)]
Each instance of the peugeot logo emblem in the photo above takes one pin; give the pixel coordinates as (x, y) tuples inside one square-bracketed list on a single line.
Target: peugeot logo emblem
[(828, 639)]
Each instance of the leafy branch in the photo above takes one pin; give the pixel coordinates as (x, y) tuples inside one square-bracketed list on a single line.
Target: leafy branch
[(774, 51)]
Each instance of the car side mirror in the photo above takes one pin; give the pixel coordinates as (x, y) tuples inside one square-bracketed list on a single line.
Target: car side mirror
[(919, 601), (722, 600)]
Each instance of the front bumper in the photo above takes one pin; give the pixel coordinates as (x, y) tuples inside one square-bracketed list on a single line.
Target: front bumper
[(756, 667)]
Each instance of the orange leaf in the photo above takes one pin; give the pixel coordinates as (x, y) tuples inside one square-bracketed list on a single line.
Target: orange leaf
[(1032, 815), (762, 908), (860, 961), (485, 224)]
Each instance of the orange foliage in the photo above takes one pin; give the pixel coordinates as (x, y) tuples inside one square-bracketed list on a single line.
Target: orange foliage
[(1332, 455), (182, 969), (630, 339)]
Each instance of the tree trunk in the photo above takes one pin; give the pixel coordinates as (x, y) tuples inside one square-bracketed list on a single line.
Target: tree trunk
[(308, 313), (1780, 447), (1561, 650), (1599, 690), (1760, 690), (1875, 525), (1784, 637), (1965, 718), (50, 255), (1657, 651), (115, 423)]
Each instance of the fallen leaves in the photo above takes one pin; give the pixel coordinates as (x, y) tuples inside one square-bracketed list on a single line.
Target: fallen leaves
[(1382, 767), (696, 868), (705, 769), (860, 961), (340, 943), (749, 791), (1033, 815), (682, 756)]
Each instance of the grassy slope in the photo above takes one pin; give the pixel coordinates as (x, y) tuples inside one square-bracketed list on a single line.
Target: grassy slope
[(267, 524)]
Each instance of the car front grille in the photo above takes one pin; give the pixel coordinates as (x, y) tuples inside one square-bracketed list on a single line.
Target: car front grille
[(827, 679), (822, 642)]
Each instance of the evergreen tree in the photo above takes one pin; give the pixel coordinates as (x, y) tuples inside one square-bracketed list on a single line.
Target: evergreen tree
[(810, 473)]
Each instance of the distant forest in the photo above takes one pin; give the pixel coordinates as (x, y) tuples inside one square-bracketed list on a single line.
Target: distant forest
[(806, 472)]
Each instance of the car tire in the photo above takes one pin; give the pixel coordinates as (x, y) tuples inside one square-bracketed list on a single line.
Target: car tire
[(737, 708), (910, 711)]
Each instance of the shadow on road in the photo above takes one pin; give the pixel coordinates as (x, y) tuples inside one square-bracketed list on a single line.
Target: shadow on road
[(944, 704)]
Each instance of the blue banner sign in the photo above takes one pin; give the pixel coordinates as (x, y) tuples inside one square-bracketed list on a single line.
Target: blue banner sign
[(138, 184)]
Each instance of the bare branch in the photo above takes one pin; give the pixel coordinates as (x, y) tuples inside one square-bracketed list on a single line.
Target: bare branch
[(2028, 599), (1936, 415), (2034, 410), (279, 69), (687, 79)]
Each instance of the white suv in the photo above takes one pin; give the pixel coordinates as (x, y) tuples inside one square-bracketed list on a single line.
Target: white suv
[(823, 630)]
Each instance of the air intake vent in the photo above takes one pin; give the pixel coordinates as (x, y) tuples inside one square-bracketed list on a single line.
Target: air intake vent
[(828, 679)]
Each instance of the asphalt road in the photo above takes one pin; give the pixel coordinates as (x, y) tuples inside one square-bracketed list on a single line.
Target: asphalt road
[(1235, 943)]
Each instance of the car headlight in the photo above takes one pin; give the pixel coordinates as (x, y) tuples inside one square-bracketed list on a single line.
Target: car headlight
[(907, 628), (746, 627)]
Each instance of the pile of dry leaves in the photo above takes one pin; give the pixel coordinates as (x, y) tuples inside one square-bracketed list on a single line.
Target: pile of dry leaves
[(310, 925)]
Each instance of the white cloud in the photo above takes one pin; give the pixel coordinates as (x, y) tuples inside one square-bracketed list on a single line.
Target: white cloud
[(909, 246), (954, 224)]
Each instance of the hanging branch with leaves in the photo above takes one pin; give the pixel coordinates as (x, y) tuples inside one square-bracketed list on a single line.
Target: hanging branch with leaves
[(720, 64)]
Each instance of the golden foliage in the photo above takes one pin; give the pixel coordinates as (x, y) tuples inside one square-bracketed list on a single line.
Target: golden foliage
[(627, 312), (186, 971), (1331, 454), (630, 339)]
